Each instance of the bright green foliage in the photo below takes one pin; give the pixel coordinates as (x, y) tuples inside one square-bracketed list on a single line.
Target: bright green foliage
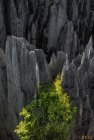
[(49, 117)]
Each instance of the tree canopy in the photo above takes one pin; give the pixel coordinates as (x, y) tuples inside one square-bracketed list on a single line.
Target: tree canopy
[(49, 116)]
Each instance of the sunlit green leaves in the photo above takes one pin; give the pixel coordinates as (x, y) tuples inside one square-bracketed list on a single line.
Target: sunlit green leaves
[(49, 116)]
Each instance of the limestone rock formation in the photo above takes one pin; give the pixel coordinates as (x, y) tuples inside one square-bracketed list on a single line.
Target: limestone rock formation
[(51, 25), (78, 82), (25, 67), (51, 37), (44, 74), (2, 28), (3, 95), (56, 63)]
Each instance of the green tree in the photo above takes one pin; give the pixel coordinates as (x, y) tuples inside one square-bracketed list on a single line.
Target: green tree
[(49, 116)]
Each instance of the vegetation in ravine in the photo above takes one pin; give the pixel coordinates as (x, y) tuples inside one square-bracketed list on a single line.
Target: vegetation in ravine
[(49, 116)]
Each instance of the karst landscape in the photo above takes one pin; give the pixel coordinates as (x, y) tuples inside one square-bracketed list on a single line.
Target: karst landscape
[(38, 40)]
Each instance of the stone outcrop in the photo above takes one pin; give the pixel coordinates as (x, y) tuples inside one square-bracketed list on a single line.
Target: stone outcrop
[(44, 74), (77, 80), (25, 68), (59, 31), (64, 25), (2, 28), (56, 63), (3, 96)]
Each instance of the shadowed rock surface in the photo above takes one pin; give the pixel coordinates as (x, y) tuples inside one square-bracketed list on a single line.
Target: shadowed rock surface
[(22, 66), (78, 82), (49, 24)]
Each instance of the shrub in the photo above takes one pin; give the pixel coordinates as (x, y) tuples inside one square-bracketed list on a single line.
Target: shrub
[(49, 116)]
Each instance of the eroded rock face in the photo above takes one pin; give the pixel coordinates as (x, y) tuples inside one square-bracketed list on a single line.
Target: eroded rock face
[(44, 74), (21, 79), (25, 67), (18, 17), (60, 29), (49, 24), (56, 63), (78, 82), (2, 28), (3, 95)]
